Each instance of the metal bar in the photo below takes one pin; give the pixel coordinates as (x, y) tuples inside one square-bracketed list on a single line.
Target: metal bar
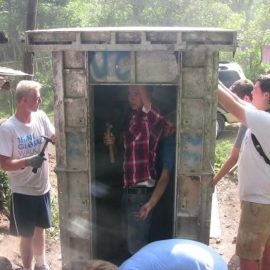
[(129, 47)]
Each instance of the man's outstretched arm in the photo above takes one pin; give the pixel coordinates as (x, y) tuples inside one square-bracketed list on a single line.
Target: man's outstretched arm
[(227, 166)]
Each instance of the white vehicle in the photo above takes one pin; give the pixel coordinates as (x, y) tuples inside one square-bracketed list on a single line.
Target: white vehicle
[(228, 73)]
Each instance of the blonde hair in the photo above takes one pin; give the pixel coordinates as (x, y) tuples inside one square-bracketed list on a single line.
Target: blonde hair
[(100, 265), (25, 88)]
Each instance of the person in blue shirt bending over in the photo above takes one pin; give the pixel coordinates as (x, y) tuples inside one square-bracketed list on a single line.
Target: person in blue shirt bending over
[(175, 254)]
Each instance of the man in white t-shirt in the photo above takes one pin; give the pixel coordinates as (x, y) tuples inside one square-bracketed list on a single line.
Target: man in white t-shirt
[(253, 239), (243, 89), (20, 145)]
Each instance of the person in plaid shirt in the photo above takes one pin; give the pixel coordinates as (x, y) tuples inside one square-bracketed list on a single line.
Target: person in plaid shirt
[(141, 136)]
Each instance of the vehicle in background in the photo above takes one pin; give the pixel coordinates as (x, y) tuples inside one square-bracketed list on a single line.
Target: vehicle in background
[(228, 73)]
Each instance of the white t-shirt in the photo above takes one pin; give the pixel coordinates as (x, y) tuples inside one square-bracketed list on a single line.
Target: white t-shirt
[(240, 136), (254, 172), (19, 140)]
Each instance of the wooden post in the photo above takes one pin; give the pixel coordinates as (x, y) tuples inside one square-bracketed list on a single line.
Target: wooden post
[(3, 37), (28, 62)]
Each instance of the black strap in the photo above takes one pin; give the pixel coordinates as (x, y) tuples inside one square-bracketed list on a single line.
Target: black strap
[(259, 148)]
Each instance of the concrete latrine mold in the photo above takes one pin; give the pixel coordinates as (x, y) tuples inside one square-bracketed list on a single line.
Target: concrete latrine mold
[(92, 69)]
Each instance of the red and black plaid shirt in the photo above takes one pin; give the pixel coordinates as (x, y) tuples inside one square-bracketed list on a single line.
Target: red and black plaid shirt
[(140, 142)]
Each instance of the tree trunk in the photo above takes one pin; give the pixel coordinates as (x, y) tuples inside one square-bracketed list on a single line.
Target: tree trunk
[(30, 25), (3, 37)]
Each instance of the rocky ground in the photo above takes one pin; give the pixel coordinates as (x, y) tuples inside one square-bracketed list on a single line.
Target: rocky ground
[(229, 210)]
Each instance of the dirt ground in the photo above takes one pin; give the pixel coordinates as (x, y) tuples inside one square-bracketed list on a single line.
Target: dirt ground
[(229, 210)]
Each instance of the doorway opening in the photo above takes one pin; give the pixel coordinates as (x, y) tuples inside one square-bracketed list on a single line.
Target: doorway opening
[(111, 110)]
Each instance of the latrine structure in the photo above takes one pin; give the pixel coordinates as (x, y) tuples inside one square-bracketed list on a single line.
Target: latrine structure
[(92, 69)]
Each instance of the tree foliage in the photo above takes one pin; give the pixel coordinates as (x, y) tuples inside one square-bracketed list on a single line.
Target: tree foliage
[(5, 195), (248, 17)]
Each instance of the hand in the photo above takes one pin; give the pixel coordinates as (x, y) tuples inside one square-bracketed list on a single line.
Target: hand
[(144, 211), (108, 139), (34, 161), (214, 182)]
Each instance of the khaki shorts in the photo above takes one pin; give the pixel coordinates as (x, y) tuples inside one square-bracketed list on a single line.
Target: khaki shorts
[(253, 231)]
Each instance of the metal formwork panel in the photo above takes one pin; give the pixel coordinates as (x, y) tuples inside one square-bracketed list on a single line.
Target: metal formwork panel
[(186, 58), (164, 65), (194, 81), (75, 112), (195, 148), (132, 39), (72, 169), (127, 67), (75, 81), (110, 67), (76, 144), (191, 152), (78, 201)]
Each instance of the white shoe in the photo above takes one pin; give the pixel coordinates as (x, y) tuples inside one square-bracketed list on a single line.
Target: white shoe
[(43, 267)]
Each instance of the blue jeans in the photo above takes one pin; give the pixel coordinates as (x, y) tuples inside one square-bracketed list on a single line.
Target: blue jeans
[(136, 232)]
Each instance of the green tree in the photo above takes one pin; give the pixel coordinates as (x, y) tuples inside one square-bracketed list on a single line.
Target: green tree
[(248, 17)]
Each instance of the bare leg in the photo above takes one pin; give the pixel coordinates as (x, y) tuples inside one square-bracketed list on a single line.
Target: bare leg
[(39, 241), (248, 264), (265, 261), (26, 251)]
